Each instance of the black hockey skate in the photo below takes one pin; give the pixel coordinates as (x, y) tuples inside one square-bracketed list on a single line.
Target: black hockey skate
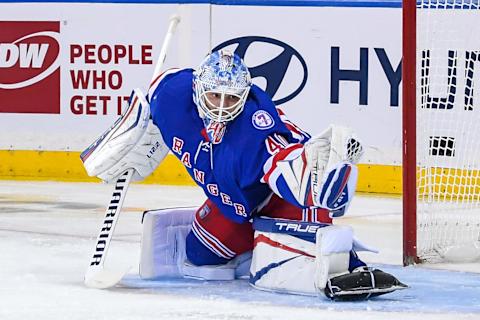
[(362, 283)]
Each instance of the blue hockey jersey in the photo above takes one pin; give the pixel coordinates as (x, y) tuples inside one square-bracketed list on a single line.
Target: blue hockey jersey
[(231, 173)]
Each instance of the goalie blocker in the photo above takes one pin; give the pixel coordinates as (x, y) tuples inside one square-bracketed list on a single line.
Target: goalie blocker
[(309, 258), (133, 142)]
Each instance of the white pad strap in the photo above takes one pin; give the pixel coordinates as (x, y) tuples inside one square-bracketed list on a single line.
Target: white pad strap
[(333, 245), (237, 268)]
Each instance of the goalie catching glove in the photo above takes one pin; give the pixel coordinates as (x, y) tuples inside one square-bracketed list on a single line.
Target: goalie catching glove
[(324, 174), (331, 157), (133, 142)]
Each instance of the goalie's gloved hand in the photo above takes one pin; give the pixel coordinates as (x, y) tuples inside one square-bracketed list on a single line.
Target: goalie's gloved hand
[(331, 158), (362, 283), (133, 142)]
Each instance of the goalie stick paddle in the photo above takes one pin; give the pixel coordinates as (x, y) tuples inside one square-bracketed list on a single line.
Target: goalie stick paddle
[(97, 276)]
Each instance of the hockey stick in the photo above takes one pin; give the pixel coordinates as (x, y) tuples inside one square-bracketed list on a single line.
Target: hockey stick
[(97, 276)]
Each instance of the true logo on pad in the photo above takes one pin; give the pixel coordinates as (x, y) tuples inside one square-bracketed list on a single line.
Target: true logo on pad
[(29, 67)]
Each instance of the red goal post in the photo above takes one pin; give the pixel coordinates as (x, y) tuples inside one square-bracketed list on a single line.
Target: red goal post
[(409, 49), (441, 131)]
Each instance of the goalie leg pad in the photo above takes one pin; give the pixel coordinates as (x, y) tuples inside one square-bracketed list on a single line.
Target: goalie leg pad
[(166, 242), (163, 242), (289, 256), (283, 263), (362, 283)]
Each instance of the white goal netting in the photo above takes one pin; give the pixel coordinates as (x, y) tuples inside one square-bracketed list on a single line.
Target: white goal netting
[(448, 130)]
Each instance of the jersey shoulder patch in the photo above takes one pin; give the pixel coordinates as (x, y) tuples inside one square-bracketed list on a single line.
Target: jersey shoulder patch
[(262, 120)]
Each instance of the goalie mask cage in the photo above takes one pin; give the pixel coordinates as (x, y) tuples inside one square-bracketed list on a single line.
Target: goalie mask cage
[(441, 130)]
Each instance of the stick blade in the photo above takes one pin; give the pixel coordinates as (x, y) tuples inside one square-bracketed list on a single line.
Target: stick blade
[(103, 279)]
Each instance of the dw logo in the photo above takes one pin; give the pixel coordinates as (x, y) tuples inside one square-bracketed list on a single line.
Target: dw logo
[(276, 67), (29, 67)]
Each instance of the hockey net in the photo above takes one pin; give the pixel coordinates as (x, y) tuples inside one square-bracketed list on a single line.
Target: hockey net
[(447, 131)]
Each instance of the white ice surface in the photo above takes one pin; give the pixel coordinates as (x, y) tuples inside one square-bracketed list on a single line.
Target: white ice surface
[(47, 233)]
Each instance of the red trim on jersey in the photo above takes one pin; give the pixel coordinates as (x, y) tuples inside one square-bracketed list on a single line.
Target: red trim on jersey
[(234, 236), (273, 146), (281, 155), (290, 126), (205, 135), (282, 209), (211, 242), (164, 73)]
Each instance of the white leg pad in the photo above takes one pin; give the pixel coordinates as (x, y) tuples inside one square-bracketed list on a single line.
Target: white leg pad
[(285, 263), (163, 242), (163, 249)]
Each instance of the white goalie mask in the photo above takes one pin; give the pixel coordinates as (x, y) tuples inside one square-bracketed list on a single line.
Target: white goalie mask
[(221, 86)]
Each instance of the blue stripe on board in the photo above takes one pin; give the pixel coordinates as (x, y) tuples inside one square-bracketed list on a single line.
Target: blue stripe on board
[(290, 3), (315, 3), (432, 4)]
